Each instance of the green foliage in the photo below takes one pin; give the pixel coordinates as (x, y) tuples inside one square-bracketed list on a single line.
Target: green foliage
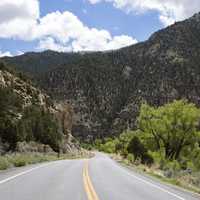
[(108, 146), (147, 159), (31, 123), (172, 126), (167, 135), (136, 147), (22, 159), (4, 164), (19, 162), (130, 158), (123, 142), (172, 165), (10, 104), (41, 126), (139, 151), (3, 66)]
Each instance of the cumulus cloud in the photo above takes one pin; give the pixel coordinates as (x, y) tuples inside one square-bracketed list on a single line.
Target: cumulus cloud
[(18, 18), (50, 43), (60, 31), (20, 9), (65, 32), (169, 10)]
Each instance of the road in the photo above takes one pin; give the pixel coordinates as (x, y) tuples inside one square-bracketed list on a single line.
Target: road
[(99, 178)]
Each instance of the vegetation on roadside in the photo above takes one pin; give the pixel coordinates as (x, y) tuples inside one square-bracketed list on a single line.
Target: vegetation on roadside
[(167, 140), (23, 159), (18, 160)]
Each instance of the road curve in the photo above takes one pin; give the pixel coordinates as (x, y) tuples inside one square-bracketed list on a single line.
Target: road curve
[(99, 178)]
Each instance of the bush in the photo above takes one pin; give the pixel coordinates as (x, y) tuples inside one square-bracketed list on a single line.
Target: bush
[(136, 147), (4, 164), (172, 165), (157, 156), (19, 161), (147, 159), (130, 158), (108, 147)]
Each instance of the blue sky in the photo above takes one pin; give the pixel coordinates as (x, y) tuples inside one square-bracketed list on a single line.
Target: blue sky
[(78, 25)]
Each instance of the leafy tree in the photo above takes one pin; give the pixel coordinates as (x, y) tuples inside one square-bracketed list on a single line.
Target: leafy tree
[(40, 126), (172, 126), (10, 104)]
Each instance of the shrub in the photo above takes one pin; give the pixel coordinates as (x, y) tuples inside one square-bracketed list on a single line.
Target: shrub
[(4, 164), (19, 160), (130, 158), (108, 147), (172, 165), (158, 156), (136, 147), (147, 159)]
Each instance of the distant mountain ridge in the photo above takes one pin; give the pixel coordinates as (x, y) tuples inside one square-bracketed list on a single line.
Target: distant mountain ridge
[(107, 88)]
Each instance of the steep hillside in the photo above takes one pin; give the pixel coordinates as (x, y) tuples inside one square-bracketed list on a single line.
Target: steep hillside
[(28, 114), (107, 88)]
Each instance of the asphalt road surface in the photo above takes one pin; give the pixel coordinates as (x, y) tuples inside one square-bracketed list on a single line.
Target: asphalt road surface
[(99, 178)]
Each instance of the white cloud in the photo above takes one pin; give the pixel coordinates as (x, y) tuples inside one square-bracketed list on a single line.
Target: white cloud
[(50, 43), (60, 31), (20, 9), (18, 18), (120, 41), (169, 10), (19, 53), (65, 32), (7, 53)]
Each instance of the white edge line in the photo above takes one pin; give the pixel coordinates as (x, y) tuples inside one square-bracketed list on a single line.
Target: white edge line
[(23, 173), (151, 184)]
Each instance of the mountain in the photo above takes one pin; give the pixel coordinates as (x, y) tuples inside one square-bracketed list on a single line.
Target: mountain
[(107, 88), (28, 114)]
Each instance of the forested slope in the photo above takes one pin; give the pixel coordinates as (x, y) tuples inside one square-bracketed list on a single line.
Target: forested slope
[(107, 88)]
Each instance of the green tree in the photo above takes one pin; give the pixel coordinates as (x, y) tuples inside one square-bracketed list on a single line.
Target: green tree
[(10, 104), (172, 126), (136, 147), (41, 126)]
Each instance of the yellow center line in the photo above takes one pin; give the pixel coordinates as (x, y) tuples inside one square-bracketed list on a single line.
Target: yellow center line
[(89, 189)]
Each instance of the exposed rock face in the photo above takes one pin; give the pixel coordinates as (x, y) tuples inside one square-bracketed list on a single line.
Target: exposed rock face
[(107, 88), (28, 93), (64, 113), (24, 147)]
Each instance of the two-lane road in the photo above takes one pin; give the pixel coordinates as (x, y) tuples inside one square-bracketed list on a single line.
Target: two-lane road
[(99, 178)]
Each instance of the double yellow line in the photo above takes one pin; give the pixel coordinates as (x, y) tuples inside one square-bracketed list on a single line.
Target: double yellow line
[(89, 189)]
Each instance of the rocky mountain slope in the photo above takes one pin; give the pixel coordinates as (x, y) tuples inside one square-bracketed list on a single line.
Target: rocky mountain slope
[(25, 110), (107, 88)]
